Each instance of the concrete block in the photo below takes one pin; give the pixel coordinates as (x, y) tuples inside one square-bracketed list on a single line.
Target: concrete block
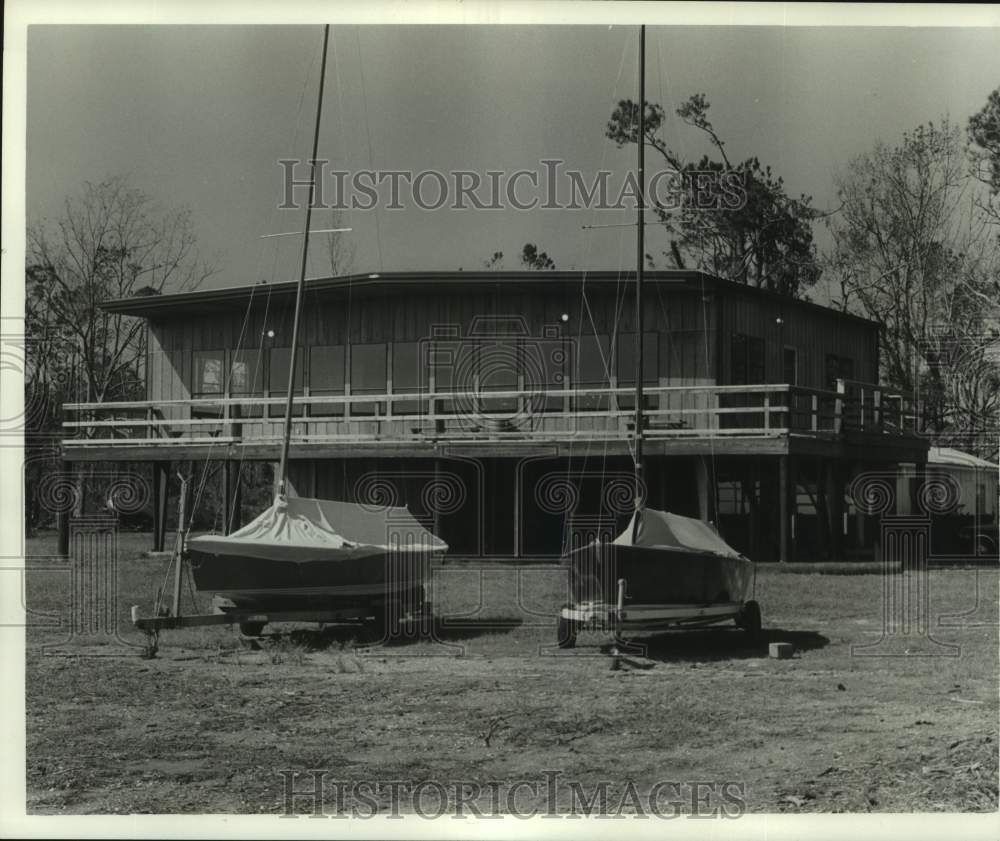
[(780, 650)]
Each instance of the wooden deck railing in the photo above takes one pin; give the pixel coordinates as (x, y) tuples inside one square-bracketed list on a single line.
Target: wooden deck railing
[(536, 415)]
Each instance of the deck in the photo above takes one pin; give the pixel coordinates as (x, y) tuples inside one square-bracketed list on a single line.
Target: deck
[(753, 419)]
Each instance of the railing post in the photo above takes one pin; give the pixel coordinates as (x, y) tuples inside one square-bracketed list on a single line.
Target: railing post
[(861, 408), (838, 407), (767, 410), (815, 413)]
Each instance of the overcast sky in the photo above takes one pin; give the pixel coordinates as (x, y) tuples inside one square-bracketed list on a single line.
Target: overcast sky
[(200, 116)]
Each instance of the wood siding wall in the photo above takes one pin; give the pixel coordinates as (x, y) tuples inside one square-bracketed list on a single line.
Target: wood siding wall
[(814, 333), (685, 350)]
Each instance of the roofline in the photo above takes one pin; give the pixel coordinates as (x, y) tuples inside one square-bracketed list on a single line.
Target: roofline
[(151, 306)]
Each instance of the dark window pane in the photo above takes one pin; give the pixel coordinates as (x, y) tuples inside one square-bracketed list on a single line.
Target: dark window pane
[(755, 361), (406, 376), (207, 372), (738, 359), (789, 366), (326, 378), (368, 375), (278, 373), (498, 363), (625, 366), (278, 359), (593, 369)]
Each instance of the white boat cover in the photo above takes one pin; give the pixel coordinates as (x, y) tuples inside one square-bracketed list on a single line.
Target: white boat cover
[(296, 527), (661, 528)]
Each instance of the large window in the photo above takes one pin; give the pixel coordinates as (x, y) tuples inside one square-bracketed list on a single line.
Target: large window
[(368, 376), (277, 377), (326, 378), (593, 369), (838, 368), (789, 366), (207, 373), (246, 379), (747, 360), (407, 377), (625, 365), (497, 365)]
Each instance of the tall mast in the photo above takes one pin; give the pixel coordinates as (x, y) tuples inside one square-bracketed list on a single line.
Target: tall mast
[(283, 464), (640, 260)]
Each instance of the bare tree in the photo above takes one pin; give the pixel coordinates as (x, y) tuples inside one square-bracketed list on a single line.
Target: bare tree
[(913, 250), (340, 248), (111, 241)]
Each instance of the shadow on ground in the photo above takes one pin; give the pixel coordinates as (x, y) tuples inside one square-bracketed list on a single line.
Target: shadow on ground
[(708, 644)]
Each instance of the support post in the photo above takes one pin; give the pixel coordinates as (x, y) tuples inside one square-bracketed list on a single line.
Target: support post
[(833, 480), (62, 523), (784, 509), (706, 491), (161, 475), (232, 496)]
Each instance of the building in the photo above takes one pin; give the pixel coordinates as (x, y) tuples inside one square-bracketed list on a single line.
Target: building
[(500, 405)]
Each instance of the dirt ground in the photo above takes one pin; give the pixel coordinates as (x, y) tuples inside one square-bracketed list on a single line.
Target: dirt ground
[(211, 726)]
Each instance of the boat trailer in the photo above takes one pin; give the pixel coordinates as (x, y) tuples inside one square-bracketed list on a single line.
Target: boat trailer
[(616, 618)]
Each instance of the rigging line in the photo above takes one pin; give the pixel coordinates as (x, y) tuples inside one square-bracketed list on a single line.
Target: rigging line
[(274, 268), (286, 440), (368, 134), (585, 309)]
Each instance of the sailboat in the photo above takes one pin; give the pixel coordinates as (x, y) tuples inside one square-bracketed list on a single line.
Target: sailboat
[(313, 554), (663, 570)]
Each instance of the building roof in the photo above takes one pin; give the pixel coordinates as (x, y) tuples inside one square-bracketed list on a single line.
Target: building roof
[(157, 306), (957, 458)]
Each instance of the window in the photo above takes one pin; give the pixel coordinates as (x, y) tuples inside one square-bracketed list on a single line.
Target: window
[(789, 366), (747, 360), (368, 375), (407, 376), (326, 379), (593, 369), (246, 379), (838, 367), (207, 373), (497, 364), (277, 377), (625, 366)]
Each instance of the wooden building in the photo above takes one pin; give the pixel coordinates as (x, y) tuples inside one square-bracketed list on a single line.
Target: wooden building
[(499, 405)]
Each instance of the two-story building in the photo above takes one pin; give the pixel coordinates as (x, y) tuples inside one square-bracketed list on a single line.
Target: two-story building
[(500, 406)]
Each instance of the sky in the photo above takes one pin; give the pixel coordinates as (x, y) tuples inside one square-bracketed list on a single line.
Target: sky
[(199, 116)]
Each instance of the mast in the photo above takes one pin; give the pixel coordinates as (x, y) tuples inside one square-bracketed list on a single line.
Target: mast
[(283, 464), (640, 260)]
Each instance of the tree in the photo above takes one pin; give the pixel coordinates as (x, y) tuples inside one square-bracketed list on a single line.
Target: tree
[(912, 250), (111, 241), (531, 259), (735, 221), (984, 138), (340, 248)]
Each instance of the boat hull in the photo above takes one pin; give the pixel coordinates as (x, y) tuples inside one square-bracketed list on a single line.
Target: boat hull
[(662, 586), (326, 580)]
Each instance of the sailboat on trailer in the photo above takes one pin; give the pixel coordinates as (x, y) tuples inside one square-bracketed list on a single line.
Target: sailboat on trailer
[(315, 554), (663, 570)]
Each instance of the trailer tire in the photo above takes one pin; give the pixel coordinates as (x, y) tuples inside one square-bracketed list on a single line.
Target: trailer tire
[(252, 629), (750, 620), (566, 632)]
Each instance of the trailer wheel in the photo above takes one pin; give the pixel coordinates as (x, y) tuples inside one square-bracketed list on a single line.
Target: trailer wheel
[(252, 629), (750, 620), (566, 632)]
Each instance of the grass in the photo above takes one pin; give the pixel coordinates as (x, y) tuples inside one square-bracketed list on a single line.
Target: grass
[(209, 725)]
